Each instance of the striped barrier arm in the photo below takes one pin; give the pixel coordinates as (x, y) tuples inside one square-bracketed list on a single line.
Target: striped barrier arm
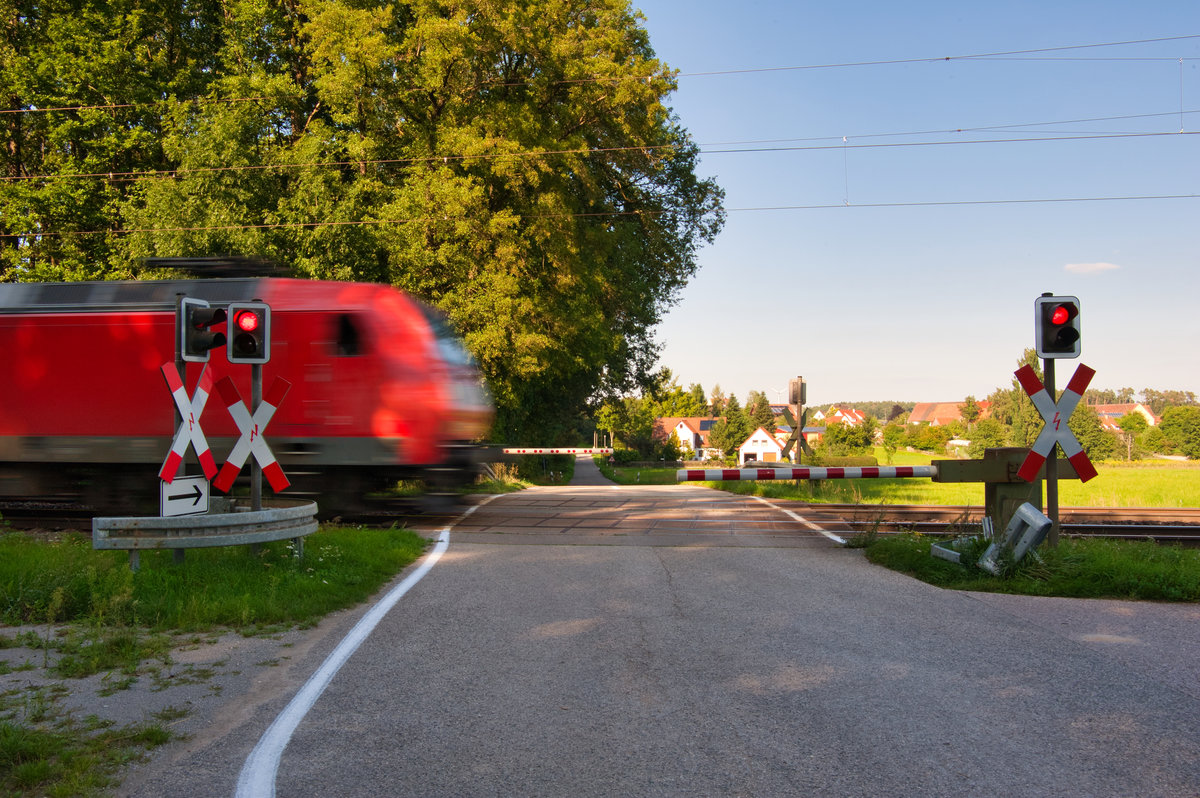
[(863, 472)]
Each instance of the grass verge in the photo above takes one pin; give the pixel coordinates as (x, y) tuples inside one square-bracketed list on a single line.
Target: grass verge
[(45, 751), (92, 615), (1076, 568), (637, 476)]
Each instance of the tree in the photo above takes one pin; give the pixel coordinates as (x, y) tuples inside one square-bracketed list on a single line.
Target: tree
[(1013, 408), (698, 401), (1108, 396), (988, 433), (716, 401), (1159, 401), (893, 439), (758, 408), (730, 432), (970, 411), (849, 439), (514, 164), (1181, 430), (1133, 425), (1096, 442)]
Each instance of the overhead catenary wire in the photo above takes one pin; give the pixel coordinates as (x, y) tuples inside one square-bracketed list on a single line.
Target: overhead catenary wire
[(1003, 55), (838, 142), (842, 143), (600, 215)]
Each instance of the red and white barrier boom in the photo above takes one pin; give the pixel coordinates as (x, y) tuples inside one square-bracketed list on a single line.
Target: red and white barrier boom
[(863, 472), (558, 451)]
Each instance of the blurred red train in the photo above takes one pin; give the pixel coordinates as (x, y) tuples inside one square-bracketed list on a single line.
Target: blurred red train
[(381, 389)]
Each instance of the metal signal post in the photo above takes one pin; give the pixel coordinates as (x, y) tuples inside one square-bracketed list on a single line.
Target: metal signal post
[(1056, 334)]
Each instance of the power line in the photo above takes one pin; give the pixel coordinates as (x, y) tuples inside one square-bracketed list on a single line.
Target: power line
[(601, 214), (1080, 137), (1004, 55), (943, 131), (133, 177), (114, 106), (959, 203)]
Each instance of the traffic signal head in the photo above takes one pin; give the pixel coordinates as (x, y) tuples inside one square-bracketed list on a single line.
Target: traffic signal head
[(249, 332), (1056, 319), (194, 322)]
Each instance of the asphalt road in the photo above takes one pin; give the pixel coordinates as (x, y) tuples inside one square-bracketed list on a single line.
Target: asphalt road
[(716, 646)]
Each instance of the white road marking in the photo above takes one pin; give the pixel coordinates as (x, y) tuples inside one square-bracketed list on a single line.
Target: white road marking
[(257, 779), (841, 541)]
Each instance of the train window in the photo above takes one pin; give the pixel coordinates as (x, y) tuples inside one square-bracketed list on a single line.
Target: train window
[(449, 346), (349, 338)]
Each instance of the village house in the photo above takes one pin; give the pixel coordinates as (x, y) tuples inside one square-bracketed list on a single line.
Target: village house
[(845, 415), (761, 446), (939, 414), (692, 433), (1111, 415)]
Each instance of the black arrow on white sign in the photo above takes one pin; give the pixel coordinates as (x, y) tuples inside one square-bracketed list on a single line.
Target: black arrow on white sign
[(195, 492)]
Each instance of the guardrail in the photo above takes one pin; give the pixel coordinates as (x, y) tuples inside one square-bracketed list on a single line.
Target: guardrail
[(228, 526)]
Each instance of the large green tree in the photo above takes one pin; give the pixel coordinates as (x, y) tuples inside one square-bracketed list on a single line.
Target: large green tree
[(1181, 429), (1013, 408), (515, 164)]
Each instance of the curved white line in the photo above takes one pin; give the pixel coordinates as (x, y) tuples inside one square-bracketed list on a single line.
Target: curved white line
[(257, 779), (841, 541)]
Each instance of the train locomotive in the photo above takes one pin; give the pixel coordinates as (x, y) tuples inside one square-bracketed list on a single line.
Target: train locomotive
[(381, 390)]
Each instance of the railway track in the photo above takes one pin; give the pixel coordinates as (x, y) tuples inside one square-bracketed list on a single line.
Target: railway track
[(53, 513), (1137, 523), (1178, 524)]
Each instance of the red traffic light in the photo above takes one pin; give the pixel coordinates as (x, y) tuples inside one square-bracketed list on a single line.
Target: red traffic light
[(247, 321), (1063, 314), (1056, 326), (249, 332)]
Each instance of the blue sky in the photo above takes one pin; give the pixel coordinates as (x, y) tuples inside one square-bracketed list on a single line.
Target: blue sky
[(934, 301)]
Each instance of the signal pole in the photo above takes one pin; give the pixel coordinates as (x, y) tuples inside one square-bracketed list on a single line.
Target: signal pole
[(1052, 461)]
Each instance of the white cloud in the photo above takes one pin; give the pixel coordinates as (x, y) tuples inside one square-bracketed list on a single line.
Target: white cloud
[(1090, 268)]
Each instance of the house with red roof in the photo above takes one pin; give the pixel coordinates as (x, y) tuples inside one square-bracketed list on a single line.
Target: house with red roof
[(692, 433), (845, 415), (761, 446), (1111, 415), (939, 414)]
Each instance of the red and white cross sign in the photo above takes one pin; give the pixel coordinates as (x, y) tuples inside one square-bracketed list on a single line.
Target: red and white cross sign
[(1056, 429), (252, 440), (189, 431)]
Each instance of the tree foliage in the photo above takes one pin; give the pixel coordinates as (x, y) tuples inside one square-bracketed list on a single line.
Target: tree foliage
[(849, 439), (732, 430), (1181, 430), (514, 164)]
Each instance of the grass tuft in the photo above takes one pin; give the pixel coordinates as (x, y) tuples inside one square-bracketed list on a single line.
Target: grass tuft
[(1076, 568), (94, 615)]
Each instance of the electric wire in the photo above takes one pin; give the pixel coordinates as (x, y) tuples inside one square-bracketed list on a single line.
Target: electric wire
[(601, 215), (710, 149), (1004, 55)]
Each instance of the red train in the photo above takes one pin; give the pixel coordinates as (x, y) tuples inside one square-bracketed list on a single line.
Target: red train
[(381, 389)]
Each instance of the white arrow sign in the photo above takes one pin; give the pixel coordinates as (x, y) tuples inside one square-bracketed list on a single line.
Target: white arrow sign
[(184, 496)]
